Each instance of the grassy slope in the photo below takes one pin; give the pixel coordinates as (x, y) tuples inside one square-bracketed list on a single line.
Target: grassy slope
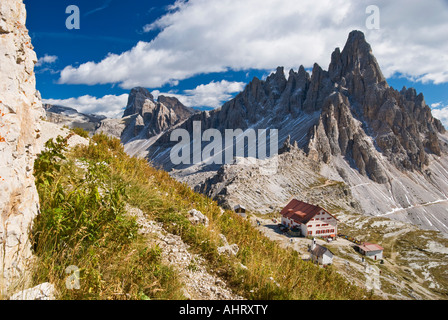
[(261, 270)]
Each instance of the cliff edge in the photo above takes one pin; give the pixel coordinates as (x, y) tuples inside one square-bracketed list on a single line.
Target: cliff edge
[(20, 109)]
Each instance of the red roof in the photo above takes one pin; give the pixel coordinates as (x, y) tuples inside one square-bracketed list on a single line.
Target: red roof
[(300, 211), (371, 247)]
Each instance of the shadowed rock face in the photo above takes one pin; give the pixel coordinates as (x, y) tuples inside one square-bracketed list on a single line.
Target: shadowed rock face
[(349, 110), (362, 108), (144, 117)]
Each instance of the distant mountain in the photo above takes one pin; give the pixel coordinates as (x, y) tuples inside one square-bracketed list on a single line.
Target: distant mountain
[(72, 118), (383, 143), (145, 117)]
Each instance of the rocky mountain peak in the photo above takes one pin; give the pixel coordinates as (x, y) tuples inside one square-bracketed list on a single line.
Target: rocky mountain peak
[(174, 104), (347, 122), (374, 117), (347, 111), (144, 117), (136, 100), (277, 81), (355, 64)]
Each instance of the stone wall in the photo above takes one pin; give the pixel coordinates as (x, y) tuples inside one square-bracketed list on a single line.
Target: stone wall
[(20, 109)]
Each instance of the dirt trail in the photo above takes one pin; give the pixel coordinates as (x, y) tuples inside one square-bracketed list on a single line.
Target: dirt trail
[(199, 284)]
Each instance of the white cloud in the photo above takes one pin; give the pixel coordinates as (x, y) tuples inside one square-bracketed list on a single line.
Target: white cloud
[(203, 36), (211, 95), (46, 59), (440, 112), (110, 106), (104, 6)]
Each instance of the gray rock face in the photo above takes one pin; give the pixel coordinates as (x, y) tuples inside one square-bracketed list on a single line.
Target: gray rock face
[(44, 291), (179, 109), (144, 117), (349, 110), (400, 122), (20, 109), (116, 127), (339, 133)]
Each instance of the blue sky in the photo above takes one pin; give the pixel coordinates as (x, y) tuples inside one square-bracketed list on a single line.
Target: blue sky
[(205, 51)]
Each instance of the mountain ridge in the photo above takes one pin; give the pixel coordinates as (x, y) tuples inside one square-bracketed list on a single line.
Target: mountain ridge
[(382, 142), (379, 106)]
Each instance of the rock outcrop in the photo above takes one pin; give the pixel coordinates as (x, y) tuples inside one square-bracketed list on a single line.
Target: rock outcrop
[(20, 109), (145, 117), (197, 217), (44, 291), (362, 108)]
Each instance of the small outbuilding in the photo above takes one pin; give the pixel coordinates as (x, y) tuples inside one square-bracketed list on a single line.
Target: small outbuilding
[(320, 254), (371, 250), (240, 210)]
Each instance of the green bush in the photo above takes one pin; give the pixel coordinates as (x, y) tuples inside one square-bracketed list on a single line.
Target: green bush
[(83, 207), (80, 132)]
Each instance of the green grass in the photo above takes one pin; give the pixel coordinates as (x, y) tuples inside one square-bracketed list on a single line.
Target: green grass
[(165, 200), (80, 132), (83, 223)]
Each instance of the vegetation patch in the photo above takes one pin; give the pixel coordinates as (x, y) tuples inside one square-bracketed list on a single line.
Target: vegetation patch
[(83, 223)]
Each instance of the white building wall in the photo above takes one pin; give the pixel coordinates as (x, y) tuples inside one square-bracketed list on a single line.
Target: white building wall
[(320, 219), (304, 230), (375, 255), (290, 223), (327, 259)]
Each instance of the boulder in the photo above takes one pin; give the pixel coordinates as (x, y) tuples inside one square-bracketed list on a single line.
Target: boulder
[(196, 217), (231, 250), (44, 291)]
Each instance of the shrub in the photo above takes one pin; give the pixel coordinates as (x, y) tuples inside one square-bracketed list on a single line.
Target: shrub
[(80, 132)]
